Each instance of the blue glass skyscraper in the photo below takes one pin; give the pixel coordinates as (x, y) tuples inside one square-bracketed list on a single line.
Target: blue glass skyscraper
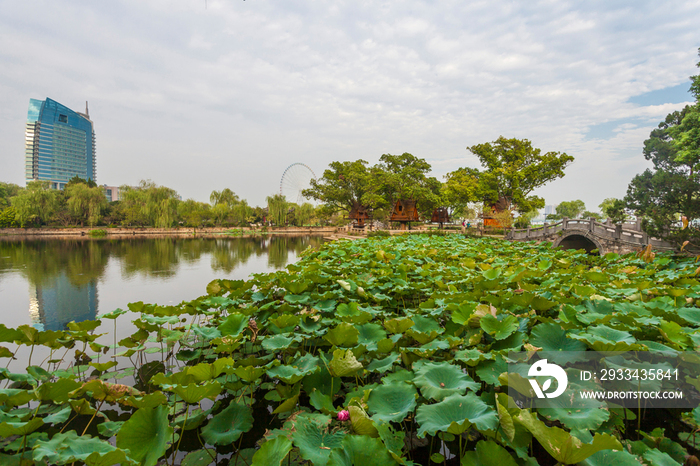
[(60, 144)]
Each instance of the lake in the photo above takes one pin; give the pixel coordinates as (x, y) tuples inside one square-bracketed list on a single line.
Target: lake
[(54, 281)]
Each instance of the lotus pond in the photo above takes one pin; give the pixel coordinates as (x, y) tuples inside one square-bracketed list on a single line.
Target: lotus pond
[(372, 352)]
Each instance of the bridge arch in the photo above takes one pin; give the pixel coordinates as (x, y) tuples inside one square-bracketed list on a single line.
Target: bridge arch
[(578, 240)]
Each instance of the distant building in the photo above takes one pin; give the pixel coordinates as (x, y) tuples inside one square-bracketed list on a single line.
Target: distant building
[(111, 192), (60, 144), (550, 209)]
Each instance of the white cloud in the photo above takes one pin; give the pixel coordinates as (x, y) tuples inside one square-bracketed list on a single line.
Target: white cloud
[(200, 99)]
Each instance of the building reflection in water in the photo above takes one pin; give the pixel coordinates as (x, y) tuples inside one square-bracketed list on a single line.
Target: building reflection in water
[(57, 301)]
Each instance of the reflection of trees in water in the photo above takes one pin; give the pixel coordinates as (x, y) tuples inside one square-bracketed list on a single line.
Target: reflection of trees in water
[(84, 261), (40, 261)]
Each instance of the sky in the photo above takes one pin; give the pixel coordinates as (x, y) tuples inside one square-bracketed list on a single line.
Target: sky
[(202, 95)]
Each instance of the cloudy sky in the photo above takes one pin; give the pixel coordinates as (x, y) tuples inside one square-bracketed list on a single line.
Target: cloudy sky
[(207, 94)]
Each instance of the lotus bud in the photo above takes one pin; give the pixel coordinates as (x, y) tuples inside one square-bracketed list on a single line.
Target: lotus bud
[(343, 415)]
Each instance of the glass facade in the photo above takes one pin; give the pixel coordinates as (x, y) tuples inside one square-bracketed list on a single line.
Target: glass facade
[(60, 144)]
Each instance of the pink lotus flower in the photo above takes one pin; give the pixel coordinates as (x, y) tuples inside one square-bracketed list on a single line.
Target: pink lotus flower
[(343, 415)]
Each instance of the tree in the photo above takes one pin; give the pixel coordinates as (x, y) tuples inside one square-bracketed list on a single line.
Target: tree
[(277, 207), (513, 169), (614, 209), (85, 203), (7, 191), (193, 213), (461, 188), (35, 204), (570, 209), (671, 189), (405, 176), (343, 185), (225, 196), (149, 204)]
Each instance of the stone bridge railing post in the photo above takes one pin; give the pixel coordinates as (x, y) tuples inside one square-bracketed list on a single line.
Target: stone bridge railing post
[(591, 224), (544, 229), (618, 231), (565, 223)]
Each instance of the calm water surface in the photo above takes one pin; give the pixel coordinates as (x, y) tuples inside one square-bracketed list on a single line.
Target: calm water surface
[(52, 282)]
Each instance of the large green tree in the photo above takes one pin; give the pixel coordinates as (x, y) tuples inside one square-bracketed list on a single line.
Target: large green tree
[(405, 176), (85, 203), (512, 169), (343, 185), (35, 204), (460, 189), (149, 205), (277, 207), (671, 188), (569, 209)]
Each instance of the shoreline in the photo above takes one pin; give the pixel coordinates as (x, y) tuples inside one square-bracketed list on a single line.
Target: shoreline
[(131, 232)]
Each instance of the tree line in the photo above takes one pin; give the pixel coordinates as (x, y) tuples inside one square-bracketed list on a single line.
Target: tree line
[(83, 203)]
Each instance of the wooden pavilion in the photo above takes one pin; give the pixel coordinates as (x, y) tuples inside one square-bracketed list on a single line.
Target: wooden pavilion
[(405, 212), (359, 214), (440, 216)]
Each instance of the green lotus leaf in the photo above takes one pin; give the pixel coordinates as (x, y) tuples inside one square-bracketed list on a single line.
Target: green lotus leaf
[(539, 303), (398, 325), (322, 381), (227, 426), (392, 402), (249, 373), (463, 313), (489, 371), (307, 363), (472, 357), (297, 298), (8, 429), (351, 313), (109, 428), (285, 322), (438, 380), (587, 414), (361, 450), (194, 393), (611, 458), (146, 435), (383, 365), (691, 315), (203, 457), (603, 338), (401, 375), (12, 397), (279, 342), (322, 402), (393, 440), (370, 335), (343, 335), (287, 374), (499, 329), (659, 458), (297, 286), (58, 417), (150, 400), (69, 447), (315, 439), (344, 363), (455, 414), (488, 453), (551, 337), (234, 325), (675, 335), (564, 447), (361, 423), (272, 452)]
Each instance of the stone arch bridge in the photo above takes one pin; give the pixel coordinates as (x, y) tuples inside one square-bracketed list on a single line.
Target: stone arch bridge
[(589, 234)]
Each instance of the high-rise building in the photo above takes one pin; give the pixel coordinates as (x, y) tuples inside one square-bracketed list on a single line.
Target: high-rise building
[(60, 144)]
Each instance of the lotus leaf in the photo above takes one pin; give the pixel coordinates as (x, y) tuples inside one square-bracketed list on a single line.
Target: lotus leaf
[(383, 365), (369, 335), (233, 325), (343, 335), (360, 449), (203, 457), (69, 447), (564, 447), (488, 453), (439, 380), (398, 325), (455, 414), (315, 440), (551, 337), (146, 435), (344, 363), (272, 452), (392, 402), (611, 458), (361, 423), (227, 426), (659, 458), (194, 393)]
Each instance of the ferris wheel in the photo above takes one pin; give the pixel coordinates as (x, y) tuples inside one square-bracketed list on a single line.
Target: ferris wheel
[(295, 179)]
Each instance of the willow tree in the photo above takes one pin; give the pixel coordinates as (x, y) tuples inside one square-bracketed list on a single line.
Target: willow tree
[(85, 203), (277, 209), (35, 204), (149, 204)]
